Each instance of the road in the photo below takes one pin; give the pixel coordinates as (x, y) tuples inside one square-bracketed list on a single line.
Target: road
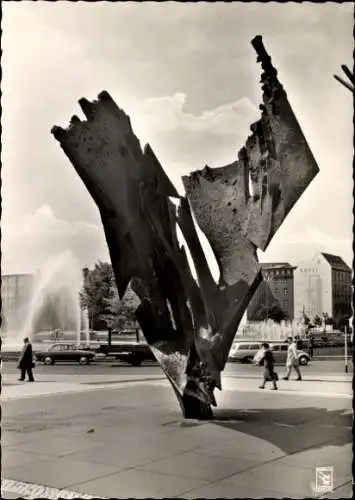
[(114, 367)]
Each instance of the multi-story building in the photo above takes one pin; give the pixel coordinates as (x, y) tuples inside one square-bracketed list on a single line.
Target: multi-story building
[(323, 285), (53, 308), (276, 288), (16, 292)]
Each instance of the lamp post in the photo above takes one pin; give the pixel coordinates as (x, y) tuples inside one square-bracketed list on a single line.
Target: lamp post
[(267, 279), (346, 349)]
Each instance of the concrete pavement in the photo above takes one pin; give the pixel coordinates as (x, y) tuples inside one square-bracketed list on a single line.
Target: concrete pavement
[(124, 438), (332, 385)]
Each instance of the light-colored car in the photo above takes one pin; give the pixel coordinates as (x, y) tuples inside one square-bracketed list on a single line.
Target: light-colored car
[(244, 352), (279, 351)]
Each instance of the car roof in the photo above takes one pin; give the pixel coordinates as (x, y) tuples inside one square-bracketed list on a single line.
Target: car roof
[(65, 343), (258, 341)]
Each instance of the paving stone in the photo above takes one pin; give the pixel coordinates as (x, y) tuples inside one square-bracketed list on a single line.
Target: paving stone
[(274, 477), (339, 457), (11, 458), (139, 484), (61, 473), (345, 491), (15, 489), (57, 445), (228, 489), (245, 446), (199, 466)]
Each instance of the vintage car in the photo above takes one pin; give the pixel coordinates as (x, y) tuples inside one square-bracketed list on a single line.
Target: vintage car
[(244, 352), (60, 352)]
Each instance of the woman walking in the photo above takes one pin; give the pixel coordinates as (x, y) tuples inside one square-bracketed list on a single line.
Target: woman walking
[(269, 374)]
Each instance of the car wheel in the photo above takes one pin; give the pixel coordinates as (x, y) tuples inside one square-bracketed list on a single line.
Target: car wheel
[(247, 359), (48, 360), (135, 361), (83, 360), (303, 361)]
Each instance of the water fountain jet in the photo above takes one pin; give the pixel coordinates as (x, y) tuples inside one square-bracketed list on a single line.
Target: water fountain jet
[(54, 302)]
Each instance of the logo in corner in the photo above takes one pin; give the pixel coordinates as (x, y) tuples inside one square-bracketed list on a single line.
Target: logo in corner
[(324, 480)]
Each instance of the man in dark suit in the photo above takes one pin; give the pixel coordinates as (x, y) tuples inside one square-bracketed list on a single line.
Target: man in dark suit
[(310, 345), (26, 361)]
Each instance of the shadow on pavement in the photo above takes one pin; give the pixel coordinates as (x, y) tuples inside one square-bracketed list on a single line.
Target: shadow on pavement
[(291, 429)]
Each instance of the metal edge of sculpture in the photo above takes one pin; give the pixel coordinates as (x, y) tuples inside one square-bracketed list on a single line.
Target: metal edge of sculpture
[(190, 325)]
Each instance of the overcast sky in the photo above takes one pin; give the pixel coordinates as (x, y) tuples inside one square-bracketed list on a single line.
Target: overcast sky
[(187, 75)]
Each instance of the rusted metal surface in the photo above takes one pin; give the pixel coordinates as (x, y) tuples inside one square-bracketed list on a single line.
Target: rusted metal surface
[(190, 326)]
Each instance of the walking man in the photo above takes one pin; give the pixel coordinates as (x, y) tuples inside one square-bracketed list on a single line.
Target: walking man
[(310, 345), (269, 374), (292, 360), (25, 363)]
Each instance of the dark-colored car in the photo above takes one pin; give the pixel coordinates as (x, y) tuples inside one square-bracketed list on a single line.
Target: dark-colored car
[(65, 352), (133, 353)]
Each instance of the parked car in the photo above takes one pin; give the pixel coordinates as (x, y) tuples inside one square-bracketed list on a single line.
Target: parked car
[(279, 350), (132, 352), (244, 352), (65, 352)]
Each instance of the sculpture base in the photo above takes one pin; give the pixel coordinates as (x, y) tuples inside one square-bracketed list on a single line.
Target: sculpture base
[(194, 409)]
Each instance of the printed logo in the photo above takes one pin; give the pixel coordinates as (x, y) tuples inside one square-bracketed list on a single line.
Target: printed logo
[(324, 479)]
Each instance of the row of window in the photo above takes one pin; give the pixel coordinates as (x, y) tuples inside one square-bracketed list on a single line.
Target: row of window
[(313, 270), (277, 272), (276, 290), (342, 276)]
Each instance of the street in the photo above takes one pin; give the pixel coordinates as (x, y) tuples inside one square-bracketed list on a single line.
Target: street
[(112, 367), (117, 431)]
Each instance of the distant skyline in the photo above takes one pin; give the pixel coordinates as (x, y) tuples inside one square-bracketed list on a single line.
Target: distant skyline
[(187, 75)]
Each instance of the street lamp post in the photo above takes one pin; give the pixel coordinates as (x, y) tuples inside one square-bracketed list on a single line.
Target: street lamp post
[(267, 279), (346, 349)]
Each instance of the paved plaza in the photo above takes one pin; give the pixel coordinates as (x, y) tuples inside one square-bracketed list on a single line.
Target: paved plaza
[(124, 437)]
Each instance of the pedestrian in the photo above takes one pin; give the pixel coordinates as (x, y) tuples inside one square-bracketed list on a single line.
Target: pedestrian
[(310, 345), (292, 360), (26, 363), (269, 374), (299, 343)]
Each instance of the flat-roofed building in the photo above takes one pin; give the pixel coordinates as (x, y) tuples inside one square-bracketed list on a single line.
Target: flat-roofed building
[(323, 285), (276, 288)]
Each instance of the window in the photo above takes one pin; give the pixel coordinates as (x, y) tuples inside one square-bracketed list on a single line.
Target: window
[(286, 292), (249, 347), (284, 347), (285, 304), (275, 347)]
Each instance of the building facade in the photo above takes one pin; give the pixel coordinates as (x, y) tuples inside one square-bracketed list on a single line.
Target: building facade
[(275, 289), (16, 293), (21, 303), (323, 285)]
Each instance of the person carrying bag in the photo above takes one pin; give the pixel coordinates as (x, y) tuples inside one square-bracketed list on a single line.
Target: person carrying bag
[(266, 358)]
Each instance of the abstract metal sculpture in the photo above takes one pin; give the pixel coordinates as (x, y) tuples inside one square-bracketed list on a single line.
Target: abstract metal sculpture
[(190, 326)]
